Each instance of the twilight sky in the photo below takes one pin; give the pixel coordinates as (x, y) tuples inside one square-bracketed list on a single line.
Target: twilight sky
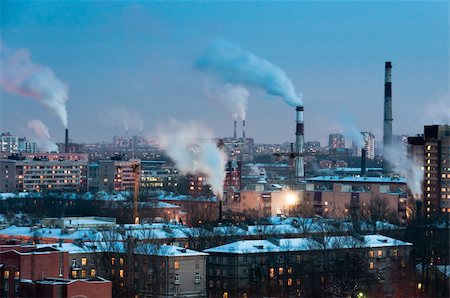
[(132, 64)]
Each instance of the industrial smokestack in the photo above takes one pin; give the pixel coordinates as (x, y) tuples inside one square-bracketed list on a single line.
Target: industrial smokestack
[(363, 162), (235, 130), (387, 125), (243, 129), (66, 142), (299, 145)]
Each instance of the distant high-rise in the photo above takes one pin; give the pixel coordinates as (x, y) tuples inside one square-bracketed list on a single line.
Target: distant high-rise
[(336, 141), (432, 151), (369, 145)]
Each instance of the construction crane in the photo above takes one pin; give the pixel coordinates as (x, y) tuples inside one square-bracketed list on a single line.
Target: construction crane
[(136, 171)]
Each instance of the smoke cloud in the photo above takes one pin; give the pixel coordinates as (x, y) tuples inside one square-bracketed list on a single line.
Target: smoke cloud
[(234, 65), (41, 136), (410, 169), (121, 117), (350, 129), (234, 98), (191, 147), (21, 76)]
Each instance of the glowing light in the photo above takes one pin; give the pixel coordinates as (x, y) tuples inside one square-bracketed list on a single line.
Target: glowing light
[(291, 198)]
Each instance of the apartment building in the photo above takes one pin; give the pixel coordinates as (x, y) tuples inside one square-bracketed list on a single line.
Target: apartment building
[(58, 172), (305, 266), (118, 174)]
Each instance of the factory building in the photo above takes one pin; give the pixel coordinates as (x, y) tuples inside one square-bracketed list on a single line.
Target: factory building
[(53, 172), (431, 151)]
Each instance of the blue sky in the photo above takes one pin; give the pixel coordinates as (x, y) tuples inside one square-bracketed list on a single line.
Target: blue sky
[(140, 56)]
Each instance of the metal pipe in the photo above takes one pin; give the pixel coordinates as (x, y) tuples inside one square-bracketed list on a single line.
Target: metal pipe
[(235, 129), (387, 124), (299, 145), (66, 141), (243, 129)]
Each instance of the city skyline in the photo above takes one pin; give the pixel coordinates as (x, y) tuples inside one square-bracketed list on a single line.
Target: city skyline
[(136, 61)]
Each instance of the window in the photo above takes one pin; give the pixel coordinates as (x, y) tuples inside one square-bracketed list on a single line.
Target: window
[(395, 252), (380, 253), (177, 265), (371, 265), (177, 279), (225, 295), (197, 277), (6, 274), (83, 273), (83, 261), (121, 273), (121, 261), (289, 281), (197, 264), (74, 263), (93, 272), (113, 261), (280, 271), (371, 253), (74, 274), (113, 272), (289, 271), (17, 274), (271, 272)]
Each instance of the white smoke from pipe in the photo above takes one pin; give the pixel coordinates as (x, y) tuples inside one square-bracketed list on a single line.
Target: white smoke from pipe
[(350, 129), (234, 98), (412, 170), (191, 147), (41, 136), (234, 65), (21, 76), (122, 117)]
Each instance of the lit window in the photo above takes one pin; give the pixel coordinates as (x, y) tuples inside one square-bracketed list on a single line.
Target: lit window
[(272, 272), (83, 273), (380, 253), (280, 271), (371, 265), (395, 252), (371, 253), (121, 261), (74, 274), (113, 261), (121, 273), (93, 272), (225, 295), (289, 270), (17, 274), (177, 265), (83, 261), (6, 274), (289, 281)]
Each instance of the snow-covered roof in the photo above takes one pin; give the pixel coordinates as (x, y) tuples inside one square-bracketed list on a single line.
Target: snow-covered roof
[(119, 247), (357, 179), (306, 244)]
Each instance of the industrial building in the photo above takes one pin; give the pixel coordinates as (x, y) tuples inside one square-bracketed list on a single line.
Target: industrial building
[(336, 141)]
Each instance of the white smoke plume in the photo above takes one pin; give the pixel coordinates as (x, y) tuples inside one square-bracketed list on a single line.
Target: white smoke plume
[(233, 97), (256, 170), (438, 111), (412, 170), (234, 65), (350, 129), (122, 117), (19, 75), (181, 141), (41, 136)]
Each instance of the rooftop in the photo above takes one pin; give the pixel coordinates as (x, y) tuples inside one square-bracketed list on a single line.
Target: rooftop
[(357, 179)]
